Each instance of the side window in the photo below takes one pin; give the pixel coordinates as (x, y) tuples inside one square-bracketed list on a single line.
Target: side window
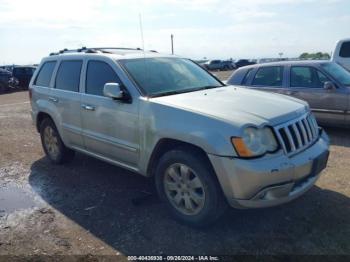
[(269, 76), (345, 50), (321, 77), (68, 76), (247, 76), (45, 74), (308, 77), (97, 75)]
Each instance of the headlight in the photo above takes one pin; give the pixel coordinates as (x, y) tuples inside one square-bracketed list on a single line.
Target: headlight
[(255, 142)]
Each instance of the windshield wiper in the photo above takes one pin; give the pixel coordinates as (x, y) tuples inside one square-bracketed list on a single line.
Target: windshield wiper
[(169, 93), (207, 87)]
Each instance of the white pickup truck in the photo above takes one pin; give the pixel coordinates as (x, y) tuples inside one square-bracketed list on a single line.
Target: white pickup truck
[(341, 53)]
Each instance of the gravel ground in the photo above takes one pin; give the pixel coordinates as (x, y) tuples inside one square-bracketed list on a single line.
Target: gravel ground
[(88, 208)]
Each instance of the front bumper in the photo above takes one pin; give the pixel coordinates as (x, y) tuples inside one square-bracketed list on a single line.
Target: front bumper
[(271, 180)]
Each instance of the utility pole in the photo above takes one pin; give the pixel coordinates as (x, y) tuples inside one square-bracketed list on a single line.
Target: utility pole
[(172, 44)]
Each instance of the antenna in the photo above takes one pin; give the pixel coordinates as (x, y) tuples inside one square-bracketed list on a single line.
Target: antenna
[(141, 31), (143, 47)]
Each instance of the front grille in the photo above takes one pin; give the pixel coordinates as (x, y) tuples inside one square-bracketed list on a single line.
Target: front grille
[(298, 134)]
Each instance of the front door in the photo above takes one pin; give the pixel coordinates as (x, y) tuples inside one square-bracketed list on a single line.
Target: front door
[(329, 106), (110, 127)]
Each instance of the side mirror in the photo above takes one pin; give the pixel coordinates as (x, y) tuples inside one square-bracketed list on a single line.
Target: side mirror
[(113, 91), (329, 85)]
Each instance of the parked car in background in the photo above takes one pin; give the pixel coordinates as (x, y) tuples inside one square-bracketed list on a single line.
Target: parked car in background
[(205, 144), (5, 77), (324, 85), (243, 62), (23, 74), (341, 53), (219, 65)]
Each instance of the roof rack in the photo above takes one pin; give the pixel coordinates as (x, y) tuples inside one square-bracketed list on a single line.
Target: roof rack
[(94, 50)]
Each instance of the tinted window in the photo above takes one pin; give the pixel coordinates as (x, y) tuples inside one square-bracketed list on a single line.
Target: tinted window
[(304, 76), (247, 76), (45, 74), (98, 74), (338, 72), (23, 71), (269, 76), (345, 50), (68, 76)]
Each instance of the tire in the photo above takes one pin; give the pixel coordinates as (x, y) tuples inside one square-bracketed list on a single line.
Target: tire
[(226, 68), (53, 145), (210, 202), (3, 87)]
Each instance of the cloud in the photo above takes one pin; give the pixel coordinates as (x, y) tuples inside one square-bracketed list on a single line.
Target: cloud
[(212, 28)]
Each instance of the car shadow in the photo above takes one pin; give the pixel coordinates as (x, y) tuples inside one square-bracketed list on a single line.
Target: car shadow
[(338, 136), (101, 198)]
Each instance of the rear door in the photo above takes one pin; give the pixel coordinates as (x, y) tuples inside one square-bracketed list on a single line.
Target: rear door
[(110, 127), (42, 86), (65, 97), (267, 78), (307, 83)]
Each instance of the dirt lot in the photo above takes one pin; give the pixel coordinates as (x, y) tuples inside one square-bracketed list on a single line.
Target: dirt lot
[(87, 207)]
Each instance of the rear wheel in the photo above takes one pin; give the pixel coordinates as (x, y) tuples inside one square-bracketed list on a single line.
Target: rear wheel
[(3, 87), (52, 143), (187, 184)]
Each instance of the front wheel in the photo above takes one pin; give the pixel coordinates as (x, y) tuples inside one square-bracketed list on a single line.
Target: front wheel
[(187, 184)]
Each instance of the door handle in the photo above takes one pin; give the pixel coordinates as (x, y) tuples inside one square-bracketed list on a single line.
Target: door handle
[(53, 99), (88, 107)]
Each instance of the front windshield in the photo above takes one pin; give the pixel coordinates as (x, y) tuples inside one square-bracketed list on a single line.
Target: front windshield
[(165, 76), (338, 72)]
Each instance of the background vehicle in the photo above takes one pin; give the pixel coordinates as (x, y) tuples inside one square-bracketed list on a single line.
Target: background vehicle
[(219, 148), (243, 62), (23, 74), (5, 77), (219, 65), (324, 85), (341, 53)]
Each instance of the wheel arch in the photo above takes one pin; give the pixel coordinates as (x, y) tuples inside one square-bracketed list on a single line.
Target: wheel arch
[(39, 119), (166, 144)]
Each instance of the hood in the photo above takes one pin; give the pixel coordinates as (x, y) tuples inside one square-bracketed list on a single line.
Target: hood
[(238, 105)]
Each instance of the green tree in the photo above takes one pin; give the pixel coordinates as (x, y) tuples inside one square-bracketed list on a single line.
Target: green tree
[(318, 55)]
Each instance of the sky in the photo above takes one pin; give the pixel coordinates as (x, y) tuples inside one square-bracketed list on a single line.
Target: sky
[(215, 29)]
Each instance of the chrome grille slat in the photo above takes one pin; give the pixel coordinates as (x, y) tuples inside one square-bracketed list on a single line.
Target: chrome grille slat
[(311, 127), (298, 134), (290, 138), (303, 131), (306, 123)]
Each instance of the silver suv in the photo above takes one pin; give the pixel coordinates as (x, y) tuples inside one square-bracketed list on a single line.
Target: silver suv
[(205, 144)]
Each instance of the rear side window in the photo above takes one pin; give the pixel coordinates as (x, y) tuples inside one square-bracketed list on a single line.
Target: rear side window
[(269, 76), (345, 50), (97, 75), (247, 76), (45, 74), (309, 77), (68, 76)]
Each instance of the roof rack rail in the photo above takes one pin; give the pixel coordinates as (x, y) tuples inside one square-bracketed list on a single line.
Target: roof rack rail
[(93, 50)]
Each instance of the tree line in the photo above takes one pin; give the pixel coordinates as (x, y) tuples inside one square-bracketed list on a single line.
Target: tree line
[(318, 55)]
